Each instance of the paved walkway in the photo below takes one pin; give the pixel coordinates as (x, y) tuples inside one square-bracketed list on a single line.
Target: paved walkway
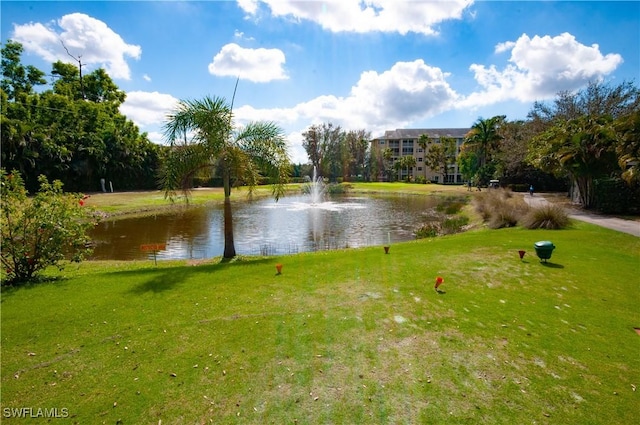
[(626, 226)]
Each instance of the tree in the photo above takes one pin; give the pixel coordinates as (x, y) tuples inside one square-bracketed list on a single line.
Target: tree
[(483, 138), (467, 163), (203, 140), (357, 144), (16, 78), (41, 231), (313, 145), (406, 162), (581, 147), (72, 132), (439, 156), (628, 147), (587, 134)]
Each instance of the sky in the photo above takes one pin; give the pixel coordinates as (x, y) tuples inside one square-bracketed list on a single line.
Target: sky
[(361, 64)]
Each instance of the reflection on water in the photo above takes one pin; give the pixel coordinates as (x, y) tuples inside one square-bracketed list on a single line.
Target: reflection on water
[(264, 227)]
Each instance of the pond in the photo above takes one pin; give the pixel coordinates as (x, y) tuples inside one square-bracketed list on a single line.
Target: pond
[(266, 227)]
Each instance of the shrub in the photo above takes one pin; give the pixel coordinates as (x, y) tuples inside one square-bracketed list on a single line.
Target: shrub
[(614, 196), (337, 188), (454, 224), (428, 230), (500, 208), (41, 231), (546, 217)]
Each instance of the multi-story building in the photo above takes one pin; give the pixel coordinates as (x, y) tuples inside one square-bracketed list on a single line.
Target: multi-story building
[(404, 141)]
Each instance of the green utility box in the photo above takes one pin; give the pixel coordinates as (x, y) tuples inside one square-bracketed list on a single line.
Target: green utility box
[(544, 249)]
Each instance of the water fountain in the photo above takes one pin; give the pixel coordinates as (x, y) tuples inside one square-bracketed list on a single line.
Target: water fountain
[(316, 188)]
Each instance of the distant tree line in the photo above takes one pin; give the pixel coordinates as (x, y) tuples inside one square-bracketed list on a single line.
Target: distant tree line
[(72, 131)]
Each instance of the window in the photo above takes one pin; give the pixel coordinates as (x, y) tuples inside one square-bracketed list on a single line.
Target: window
[(420, 159)]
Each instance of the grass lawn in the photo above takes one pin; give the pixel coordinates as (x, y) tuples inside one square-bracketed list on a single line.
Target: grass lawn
[(349, 337)]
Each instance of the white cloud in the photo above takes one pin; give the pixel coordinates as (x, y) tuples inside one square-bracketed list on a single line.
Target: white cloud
[(240, 36), (503, 47), (257, 65), (407, 92), (249, 6), (297, 153), (540, 67), (147, 108), (86, 38), (156, 137), (364, 15), (146, 77)]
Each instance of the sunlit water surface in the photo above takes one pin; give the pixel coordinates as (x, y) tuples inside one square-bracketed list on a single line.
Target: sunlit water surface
[(266, 227)]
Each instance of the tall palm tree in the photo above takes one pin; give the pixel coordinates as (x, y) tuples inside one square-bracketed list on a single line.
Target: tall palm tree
[(484, 137), (204, 141)]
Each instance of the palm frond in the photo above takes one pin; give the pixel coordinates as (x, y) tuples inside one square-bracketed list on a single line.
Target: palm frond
[(180, 166), (207, 121), (266, 146)]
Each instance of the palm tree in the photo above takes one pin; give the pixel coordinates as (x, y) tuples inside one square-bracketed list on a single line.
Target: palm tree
[(484, 137), (204, 141)]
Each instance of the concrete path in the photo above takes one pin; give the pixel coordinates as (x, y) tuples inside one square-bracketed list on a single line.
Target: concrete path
[(626, 226)]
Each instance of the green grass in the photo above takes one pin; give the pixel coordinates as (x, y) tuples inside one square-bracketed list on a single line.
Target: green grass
[(351, 336), (154, 201)]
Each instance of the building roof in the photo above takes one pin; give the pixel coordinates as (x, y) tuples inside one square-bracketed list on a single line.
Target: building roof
[(414, 133)]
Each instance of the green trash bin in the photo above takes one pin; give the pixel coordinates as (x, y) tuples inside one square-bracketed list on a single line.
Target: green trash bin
[(544, 249)]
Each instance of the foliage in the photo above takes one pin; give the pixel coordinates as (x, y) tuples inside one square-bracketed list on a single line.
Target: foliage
[(439, 154), (17, 79), (548, 216), (454, 224), (337, 153), (203, 141), (41, 231), (613, 196), (582, 147), (337, 188), (628, 147), (483, 139), (72, 132), (427, 230), (407, 162), (588, 134)]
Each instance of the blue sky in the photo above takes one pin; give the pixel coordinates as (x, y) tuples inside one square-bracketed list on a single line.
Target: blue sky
[(375, 64)]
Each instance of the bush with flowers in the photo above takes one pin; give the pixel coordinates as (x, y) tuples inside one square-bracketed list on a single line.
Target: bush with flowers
[(43, 230)]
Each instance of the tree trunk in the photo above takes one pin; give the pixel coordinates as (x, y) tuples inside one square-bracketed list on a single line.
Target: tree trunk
[(585, 191), (229, 247)]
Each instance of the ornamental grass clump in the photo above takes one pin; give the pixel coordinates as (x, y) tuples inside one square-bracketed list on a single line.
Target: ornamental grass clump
[(546, 217), (499, 208)]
